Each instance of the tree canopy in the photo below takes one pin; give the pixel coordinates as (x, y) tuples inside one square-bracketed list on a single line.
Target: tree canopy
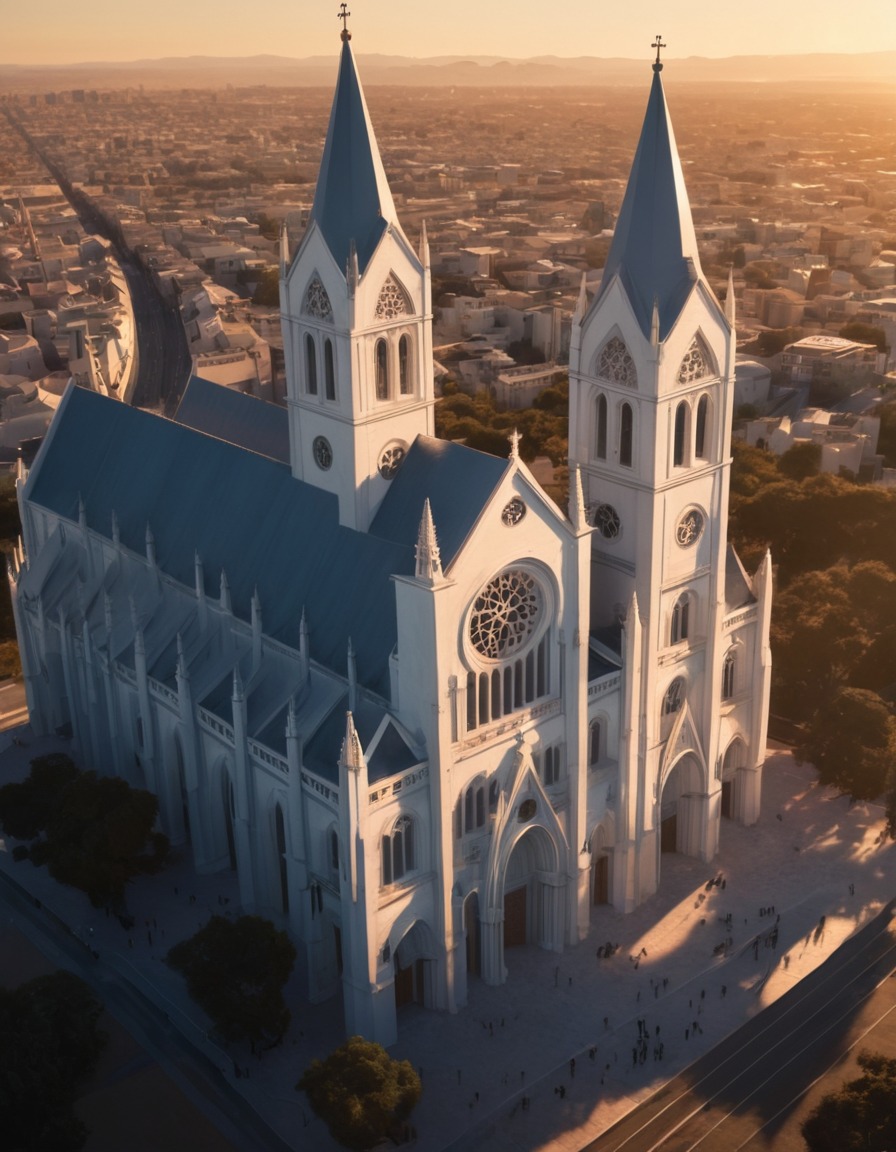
[(852, 742), (360, 1092), (861, 1117), (50, 1044), (235, 971)]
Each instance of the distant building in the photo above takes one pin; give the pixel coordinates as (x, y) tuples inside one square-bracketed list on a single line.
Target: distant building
[(829, 358)]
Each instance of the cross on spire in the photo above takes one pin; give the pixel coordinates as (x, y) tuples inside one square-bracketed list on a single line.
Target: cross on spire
[(657, 66), (343, 15)]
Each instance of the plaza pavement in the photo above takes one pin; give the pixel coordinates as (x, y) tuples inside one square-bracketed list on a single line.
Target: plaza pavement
[(670, 970)]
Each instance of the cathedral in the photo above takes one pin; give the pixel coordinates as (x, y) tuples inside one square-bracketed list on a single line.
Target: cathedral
[(422, 713)]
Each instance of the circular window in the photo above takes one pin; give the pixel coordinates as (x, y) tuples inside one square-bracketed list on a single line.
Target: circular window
[(323, 453), (391, 458), (690, 528), (505, 614), (526, 810), (513, 512), (606, 520)]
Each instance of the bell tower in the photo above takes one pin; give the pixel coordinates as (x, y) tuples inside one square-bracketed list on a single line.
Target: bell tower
[(356, 306), (651, 396)]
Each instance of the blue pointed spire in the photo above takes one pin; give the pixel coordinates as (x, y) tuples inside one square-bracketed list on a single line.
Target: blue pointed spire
[(654, 249), (352, 200)]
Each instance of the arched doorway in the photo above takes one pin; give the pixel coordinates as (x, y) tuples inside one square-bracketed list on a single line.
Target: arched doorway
[(414, 959), (601, 845), (472, 933), (735, 758), (679, 808), (529, 900)]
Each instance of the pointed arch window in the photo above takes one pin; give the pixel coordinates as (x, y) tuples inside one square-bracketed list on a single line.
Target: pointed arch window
[(398, 851), (601, 437), (404, 366), (626, 434), (695, 364), (673, 701), (317, 302), (310, 365), (728, 671), (470, 815), (381, 356), (681, 431), (701, 428), (681, 614), (280, 832), (329, 371), (616, 365), (392, 301)]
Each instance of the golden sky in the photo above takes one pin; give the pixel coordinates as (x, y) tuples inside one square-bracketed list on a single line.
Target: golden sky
[(67, 32)]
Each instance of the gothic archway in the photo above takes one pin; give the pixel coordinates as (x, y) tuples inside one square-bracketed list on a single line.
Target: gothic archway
[(732, 798), (528, 900), (680, 808), (414, 958)]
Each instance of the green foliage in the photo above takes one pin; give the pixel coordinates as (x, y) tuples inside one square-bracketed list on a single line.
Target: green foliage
[(774, 340), (360, 1092), (26, 808), (476, 420), (50, 1044), (851, 740), (886, 442), (99, 836), (861, 1117), (801, 460), (235, 971), (267, 293), (865, 334)]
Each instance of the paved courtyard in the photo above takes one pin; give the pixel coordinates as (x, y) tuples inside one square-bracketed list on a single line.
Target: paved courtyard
[(680, 960)]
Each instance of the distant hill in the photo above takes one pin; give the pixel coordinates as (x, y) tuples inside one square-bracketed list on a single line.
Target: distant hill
[(868, 68)]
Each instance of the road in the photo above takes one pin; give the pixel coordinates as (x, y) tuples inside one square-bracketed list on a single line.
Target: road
[(742, 1096), (162, 353), (195, 1073)]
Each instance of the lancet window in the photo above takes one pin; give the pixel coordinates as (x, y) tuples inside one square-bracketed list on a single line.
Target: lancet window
[(626, 435), (398, 851)]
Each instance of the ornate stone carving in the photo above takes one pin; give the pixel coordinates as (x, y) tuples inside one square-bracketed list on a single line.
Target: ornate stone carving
[(392, 300), (616, 365), (317, 302)]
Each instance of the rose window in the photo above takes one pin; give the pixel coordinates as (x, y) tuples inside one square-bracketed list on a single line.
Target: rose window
[(513, 512), (690, 528), (505, 614), (392, 301), (606, 520), (317, 302), (390, 460), (694, 366), (323, 453), (616, 364)]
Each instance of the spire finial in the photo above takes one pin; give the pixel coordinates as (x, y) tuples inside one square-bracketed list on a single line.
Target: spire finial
[(658, 43), (343, 15), (514, 439)]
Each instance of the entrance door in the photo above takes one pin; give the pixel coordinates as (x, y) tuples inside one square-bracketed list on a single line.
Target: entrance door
[(601, 888), (404, 986), (471, 927), (515, 918), (669, 834), (727, 797)]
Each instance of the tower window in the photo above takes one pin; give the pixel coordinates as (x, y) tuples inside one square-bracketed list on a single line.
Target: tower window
[(681, 619), (601, 446), (382, 370), (700, 437), (550, 765), (398, 851), (329, 371), (310, 365), (681, 427), (728, 669), (626, 429), (594, 744), (674, 698), (404, 366)]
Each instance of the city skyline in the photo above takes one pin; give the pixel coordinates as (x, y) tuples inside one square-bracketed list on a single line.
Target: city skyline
[(105, 34)]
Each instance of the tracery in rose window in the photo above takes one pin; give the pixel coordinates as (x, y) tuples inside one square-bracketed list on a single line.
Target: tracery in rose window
[(317, 302), (392, 300), (616, 365)]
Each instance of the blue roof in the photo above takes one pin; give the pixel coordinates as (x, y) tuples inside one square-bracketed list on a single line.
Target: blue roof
[(352, 200), (458, 482), (241, 512), (236, 417), (654, 240)]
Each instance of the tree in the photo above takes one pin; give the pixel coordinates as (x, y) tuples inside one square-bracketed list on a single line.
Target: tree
[(26, 807), (852, 742), (361, 1093), (100, 836), (801, 460), (865, 334), (267, 292), (235, 971), (861, 1117), (51, 1045)]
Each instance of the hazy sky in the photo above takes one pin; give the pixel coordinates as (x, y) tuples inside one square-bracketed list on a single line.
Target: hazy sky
[(67, 32)]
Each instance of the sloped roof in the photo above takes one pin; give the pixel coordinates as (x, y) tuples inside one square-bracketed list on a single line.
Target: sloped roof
[(241, 512), (654, 241), (235, 417), (352, 200), (458, 482)]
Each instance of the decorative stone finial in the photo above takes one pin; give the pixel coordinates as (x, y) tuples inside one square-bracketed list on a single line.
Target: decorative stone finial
[(514, 439), (657, 66), (429, 563)]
